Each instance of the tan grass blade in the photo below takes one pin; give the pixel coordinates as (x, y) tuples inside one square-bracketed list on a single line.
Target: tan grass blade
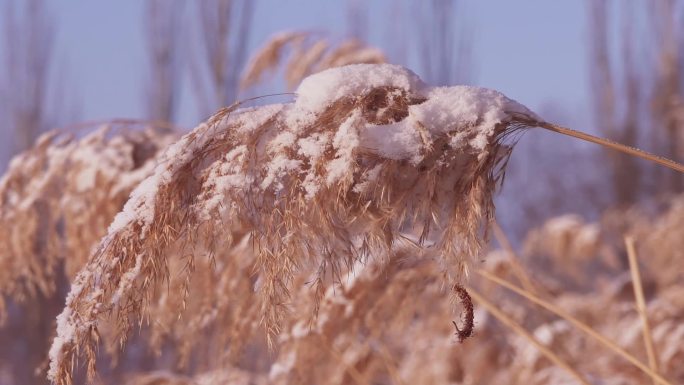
[(518, 270), (641, 304), (577, 323), (501, 316), (614, 145)]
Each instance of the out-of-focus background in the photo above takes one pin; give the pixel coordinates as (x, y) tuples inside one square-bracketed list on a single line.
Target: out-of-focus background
[(610, 68)]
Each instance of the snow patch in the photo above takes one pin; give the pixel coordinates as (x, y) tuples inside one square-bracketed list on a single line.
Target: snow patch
[(320, 90)]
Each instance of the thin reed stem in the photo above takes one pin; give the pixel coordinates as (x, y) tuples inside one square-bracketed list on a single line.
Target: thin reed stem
[(518, 270), (575, 322), (614, 145), (641, 304), (501, 316)]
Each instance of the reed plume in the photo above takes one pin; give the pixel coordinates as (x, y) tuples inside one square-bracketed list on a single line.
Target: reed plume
[(57, 198), (366, 158), (308, 53), (367, 161)]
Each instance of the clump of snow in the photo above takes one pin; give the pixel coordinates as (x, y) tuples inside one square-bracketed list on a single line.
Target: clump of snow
[(466, 105), (127, 280), (65, 334), (279, 166), (468, 115), (455, 109), (395, 141), (346, 140), (313, 146), (319, 90), (224, 176), (140, 205)]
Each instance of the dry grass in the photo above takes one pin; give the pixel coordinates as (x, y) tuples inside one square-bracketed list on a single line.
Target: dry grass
[(641, 305), (228, 180), (227, 249), (310, 53), (534, 341), (57, 199), (635, 152), (389, 320), (577, 323)]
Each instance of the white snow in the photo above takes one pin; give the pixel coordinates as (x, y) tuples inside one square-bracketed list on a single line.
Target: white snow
[(394, 141), (65, 334), (319, 90), (224, 176), (278, 167), (67, 327), (141, 204), (313, 146), (283, 365), (127, 280), (346, 140), (469, 115), (300, 330)]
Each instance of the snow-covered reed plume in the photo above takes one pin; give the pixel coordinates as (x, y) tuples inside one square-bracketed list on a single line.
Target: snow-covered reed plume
[(56, 198), (389, 319), (368, 158)]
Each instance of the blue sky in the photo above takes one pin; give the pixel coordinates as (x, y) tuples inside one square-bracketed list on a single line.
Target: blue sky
[(532, 50)]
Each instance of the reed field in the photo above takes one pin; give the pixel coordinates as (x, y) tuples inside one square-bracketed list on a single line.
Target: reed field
[(348, 235)]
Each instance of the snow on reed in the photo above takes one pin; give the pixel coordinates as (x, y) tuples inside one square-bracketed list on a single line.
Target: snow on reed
[(366, 159), (56, 198)]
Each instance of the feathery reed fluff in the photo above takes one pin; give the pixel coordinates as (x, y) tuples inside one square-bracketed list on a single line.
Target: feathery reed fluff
[(366, 160), (309, 53), (57, 198)]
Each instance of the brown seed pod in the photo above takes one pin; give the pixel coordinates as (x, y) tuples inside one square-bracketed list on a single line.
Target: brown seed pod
[(467, 317)]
